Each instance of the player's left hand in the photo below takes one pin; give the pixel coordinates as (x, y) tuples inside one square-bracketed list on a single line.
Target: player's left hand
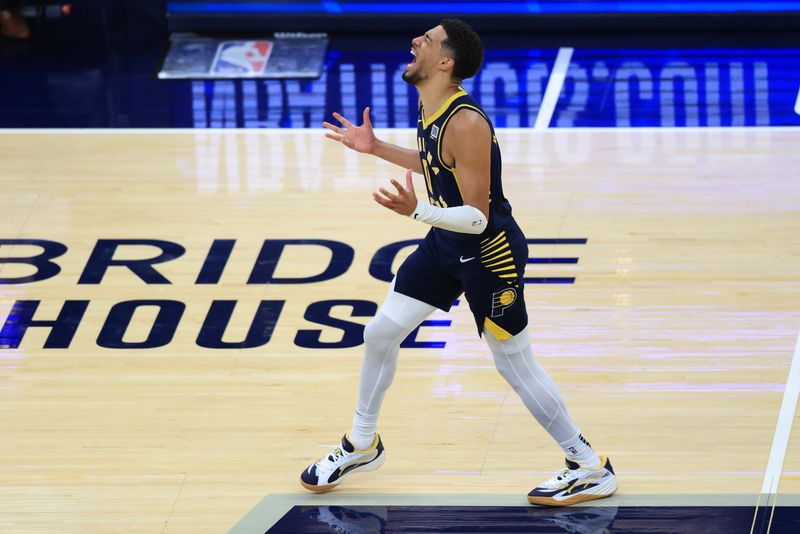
[(404, 202)]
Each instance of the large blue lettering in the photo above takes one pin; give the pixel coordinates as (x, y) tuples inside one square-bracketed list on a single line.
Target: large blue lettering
[(320, 313), (103, 257), (62, 331), (380, 266), (215, 262), (45, 267), (161, 333), (219, 315), (264, 269)]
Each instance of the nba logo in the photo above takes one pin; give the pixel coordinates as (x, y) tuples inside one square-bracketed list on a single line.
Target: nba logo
[(242, 58)]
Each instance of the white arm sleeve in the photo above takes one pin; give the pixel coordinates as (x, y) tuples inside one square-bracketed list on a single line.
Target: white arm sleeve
[(464, 219)]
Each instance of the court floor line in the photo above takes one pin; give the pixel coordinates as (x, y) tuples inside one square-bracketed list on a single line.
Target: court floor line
[(272, 507), (553, 90), (783, 427)]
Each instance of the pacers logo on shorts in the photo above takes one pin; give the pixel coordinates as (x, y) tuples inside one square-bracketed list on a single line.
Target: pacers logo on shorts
[(502, 300)]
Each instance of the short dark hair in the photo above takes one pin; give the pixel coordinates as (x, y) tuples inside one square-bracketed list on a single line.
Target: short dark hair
[(466, 47)]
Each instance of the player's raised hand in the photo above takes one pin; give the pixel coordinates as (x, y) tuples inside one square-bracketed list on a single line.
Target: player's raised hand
[(359, 138), (404, 202)]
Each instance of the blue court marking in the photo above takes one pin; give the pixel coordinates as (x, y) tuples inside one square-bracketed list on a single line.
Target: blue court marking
[(549, 261), (557, 241), (690, 87), (552, 260), (456, 7), (410, 342), (519, 519)]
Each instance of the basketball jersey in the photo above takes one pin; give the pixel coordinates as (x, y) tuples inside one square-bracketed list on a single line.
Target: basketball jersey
[(441, 180)]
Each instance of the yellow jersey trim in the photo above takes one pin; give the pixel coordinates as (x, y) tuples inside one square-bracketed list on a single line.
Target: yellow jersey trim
[(493, 239), (428, 121), (444, 125), (492, 248), (441, 136), (458, 185), (501, 262), (502, 257), (496, 254)]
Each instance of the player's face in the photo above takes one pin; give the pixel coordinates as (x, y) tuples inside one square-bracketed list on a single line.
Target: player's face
[(427, 52)]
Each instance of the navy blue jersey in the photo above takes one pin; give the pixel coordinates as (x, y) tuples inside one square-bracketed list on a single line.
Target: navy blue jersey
[(441, 180)]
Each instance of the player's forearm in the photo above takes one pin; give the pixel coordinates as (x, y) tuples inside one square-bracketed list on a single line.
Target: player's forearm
[(404, 157), (464, 219)]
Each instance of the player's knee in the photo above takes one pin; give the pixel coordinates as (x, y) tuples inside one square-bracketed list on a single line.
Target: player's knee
[(511, 362), (372, 332), (380, 334), (506, 370)]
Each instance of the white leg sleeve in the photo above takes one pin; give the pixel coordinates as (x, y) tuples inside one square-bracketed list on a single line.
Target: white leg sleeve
[(398, 316), (514, 359)]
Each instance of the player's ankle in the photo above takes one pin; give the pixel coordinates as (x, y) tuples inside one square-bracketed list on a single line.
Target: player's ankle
[(588, 461), (361, 440), (578, 450)]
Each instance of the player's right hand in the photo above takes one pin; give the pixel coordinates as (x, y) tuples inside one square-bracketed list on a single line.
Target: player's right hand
[(359, 138)]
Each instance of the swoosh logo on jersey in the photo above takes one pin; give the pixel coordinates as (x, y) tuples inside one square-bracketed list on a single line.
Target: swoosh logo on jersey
[(462, 260)]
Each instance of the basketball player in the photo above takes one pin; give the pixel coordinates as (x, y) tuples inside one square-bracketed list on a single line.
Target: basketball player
[(474, 247)]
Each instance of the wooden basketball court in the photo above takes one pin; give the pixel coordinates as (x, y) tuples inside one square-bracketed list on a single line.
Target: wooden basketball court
[(672, 346)]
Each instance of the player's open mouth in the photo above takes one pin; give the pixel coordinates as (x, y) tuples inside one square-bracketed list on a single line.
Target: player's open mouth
[(414, 57)]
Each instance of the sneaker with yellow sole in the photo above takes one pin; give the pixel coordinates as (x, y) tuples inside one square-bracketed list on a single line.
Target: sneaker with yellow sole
[(343, 461), (576, 484)]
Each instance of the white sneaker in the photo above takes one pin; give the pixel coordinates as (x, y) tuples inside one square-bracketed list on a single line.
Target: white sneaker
[(576, 484), (328, 472)]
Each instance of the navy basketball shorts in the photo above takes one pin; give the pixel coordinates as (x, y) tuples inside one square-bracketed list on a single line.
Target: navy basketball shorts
[(488, 270)]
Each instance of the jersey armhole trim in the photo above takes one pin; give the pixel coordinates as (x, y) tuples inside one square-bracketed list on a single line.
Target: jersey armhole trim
[(441, 136)]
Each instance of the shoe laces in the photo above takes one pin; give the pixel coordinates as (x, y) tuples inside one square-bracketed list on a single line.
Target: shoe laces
[(558, 479), (335, 454)]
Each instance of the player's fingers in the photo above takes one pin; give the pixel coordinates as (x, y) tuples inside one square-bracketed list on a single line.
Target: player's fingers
[(341, 119), (349, 143), (399, 187), (333, 127), (366, 117), (387, 194), (409, 181), (380, 200)]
